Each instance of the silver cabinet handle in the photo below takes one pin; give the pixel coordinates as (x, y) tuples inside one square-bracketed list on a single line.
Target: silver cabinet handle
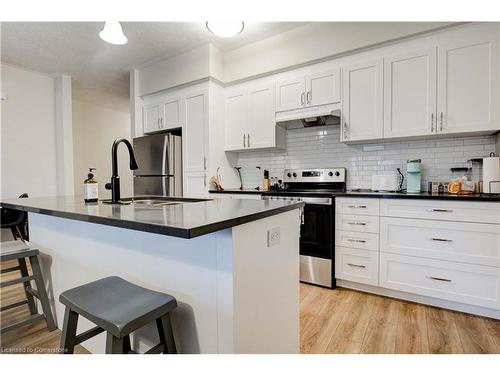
[(345, 131), (158, 122), (438, 279), (432, 122), (356, 206), (439, 210), (356, 265), (302, 100), (356, 223), (441, 240), (205, 163), (244, 140), (309, 97), (356, 240), (248, 140), (441, 122), (205, 179)]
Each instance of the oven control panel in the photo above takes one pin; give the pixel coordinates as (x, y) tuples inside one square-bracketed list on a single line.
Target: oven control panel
[(315, 175)]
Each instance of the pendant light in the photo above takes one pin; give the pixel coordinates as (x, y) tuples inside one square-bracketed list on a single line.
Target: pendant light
[(225, 29), (113, 33)]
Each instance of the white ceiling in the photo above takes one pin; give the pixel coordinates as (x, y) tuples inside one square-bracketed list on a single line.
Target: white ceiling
[(100, 70)]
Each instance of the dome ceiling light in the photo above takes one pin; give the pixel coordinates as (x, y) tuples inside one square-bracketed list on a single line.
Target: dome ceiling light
[(225, 29)]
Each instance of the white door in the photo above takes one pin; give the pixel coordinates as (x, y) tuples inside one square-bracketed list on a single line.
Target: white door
[(465, 78), (172, 114), (261, 124), (236, 121), (194, 134), (410, 94), (363, 92), (195, 184), (323, 88), (290, 94), (151, 118)]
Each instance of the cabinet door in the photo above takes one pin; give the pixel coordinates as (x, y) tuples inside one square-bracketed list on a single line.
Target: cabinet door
[(236, 121), (195, 132), (172, 114), (290, 94), (195, 184), (323, 88), (363, 92), (151, 118), (261, 124), (410, 94), (465, 77)]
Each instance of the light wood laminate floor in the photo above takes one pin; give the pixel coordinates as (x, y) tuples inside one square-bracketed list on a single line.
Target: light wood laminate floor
[(331, 321)]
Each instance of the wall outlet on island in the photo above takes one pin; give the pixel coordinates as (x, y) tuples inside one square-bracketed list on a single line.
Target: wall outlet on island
[(273, 236)]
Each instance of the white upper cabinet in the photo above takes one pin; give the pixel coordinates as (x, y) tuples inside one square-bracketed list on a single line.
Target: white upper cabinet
[(195, 132), (306, 91), (250, 119), (172, 114), (290, 94), (323, 88), (151, 118), (465, 79), (236, 120), (362, 105), (261, 123), (410, 94)]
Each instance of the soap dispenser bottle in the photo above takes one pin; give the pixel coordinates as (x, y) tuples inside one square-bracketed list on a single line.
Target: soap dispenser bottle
[(90, 188)]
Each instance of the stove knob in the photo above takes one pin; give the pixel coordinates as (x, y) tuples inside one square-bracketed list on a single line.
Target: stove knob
[(295, 175), (330, 174), (337, 173), (289, 174)]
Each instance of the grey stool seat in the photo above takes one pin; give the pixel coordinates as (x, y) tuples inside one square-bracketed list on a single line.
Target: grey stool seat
[(119, 308), (19, 250)]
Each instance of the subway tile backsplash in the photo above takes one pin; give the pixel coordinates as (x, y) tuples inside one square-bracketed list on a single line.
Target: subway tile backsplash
[(320, 147)]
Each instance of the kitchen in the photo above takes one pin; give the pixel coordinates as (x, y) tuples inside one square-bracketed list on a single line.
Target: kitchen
[(367, 170)]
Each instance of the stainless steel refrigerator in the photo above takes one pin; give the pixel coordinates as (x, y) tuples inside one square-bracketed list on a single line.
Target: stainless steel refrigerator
[(159, 157)]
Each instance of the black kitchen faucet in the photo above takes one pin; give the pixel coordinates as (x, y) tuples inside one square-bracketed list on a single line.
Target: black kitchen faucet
[(114, 185)]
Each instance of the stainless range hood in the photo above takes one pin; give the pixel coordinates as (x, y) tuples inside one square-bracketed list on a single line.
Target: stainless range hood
[(309, 117)]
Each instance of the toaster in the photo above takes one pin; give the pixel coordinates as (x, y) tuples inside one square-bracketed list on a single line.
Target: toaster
[(385, 182)]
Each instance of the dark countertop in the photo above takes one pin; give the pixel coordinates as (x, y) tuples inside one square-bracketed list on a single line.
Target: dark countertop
[(373, 194), (186, 220)]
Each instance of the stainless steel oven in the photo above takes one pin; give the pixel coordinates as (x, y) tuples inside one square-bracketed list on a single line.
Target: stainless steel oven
[(317, 232)]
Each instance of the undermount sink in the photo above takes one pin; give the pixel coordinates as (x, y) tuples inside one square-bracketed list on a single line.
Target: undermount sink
[(154, 201)]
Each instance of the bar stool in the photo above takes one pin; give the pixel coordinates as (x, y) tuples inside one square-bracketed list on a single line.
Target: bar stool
[(119, 308), (18, 250)]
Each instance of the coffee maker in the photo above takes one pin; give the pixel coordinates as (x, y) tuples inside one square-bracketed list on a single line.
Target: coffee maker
[(413, 176)]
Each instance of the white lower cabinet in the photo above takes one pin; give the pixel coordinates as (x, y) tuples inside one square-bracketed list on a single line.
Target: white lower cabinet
[(453, 281), (357, 240), (356, 265)]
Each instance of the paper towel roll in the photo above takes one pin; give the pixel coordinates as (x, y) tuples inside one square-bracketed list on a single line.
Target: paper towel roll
[(491, 172)]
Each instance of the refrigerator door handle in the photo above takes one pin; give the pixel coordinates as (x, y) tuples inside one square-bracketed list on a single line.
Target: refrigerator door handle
[(165, 159)]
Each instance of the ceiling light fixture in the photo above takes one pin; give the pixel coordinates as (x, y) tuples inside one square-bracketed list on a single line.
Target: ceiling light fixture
[(113, 33), (225, 29)]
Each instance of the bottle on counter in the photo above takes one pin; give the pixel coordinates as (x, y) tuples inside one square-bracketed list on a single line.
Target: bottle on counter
[(90, 188), (266, 183)]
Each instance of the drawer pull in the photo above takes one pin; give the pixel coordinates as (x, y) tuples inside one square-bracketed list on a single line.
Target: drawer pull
[(441, 240), (356, 206), (439, 210), (356, 265), (355, 240), (356, 223), (438, 279)]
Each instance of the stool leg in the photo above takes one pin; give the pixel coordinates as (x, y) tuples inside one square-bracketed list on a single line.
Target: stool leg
[(114, 345), (42, 292), (126, 344), (27, 284), (68, 336), (166, 335)]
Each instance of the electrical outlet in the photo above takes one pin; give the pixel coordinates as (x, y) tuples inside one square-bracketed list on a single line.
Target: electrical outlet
[(273, 236)]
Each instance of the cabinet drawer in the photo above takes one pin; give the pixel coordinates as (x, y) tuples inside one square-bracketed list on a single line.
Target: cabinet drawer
[(445, 240), (356, 265), (478, 212), (464, 283), (357, 223), (357, 206), (356, 240)]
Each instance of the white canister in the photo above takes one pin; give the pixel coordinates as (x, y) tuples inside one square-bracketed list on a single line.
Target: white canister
[(491, 174)]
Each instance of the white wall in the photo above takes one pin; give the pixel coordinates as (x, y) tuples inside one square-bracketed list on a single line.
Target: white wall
[(28, 141), (94, 130)]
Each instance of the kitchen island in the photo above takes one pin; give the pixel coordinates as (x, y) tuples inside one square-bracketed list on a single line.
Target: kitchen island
[(237, 288)]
